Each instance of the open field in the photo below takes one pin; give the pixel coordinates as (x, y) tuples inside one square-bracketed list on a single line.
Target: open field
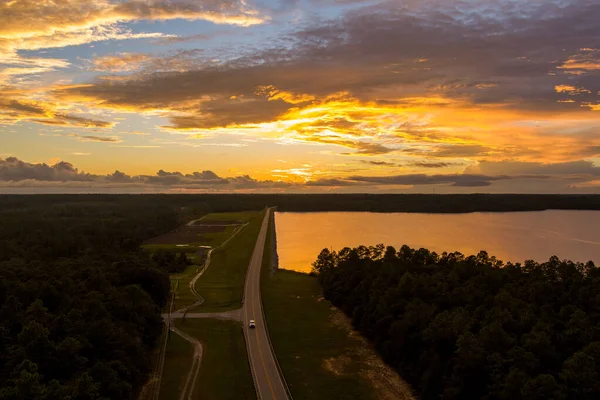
[(214, 236), (222, 285), (224, 372), (192, 236), (205, 233), (178, 360), (230, 217), (179, 283), (320, 355)]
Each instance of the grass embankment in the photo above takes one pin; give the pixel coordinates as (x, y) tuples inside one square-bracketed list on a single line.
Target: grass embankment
[(230, 216), (320, 355), (224, 371), (179, 285), (178, 361), (179, 282), (222, 285)]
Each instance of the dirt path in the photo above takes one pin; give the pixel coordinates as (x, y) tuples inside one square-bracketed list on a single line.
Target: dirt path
[(192, 284), (190, 381), (235, 315)]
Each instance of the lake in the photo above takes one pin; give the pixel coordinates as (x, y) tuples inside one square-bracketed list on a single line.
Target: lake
[(512, 236)]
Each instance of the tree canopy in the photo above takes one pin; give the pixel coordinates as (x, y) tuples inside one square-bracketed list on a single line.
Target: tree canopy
[(458, 327), (79, 303)]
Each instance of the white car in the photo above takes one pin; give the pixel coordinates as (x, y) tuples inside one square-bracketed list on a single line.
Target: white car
[(252, 324)]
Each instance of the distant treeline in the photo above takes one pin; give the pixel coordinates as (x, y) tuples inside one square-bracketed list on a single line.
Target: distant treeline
[(79, 303), (459, 327), (427, 203)]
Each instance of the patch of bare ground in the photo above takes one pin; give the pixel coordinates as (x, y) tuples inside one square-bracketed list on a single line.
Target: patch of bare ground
[(384, 380), (337, 365)]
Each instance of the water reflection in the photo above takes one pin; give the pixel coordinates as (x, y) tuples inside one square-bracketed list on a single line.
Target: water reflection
[(509, 236)]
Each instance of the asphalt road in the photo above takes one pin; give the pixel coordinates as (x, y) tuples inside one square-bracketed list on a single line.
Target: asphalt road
[(267, 380)]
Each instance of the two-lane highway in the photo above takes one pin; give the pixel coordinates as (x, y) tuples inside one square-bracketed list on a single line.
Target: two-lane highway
[(267, 380)]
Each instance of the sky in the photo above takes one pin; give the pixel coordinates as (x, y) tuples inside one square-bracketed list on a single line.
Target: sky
[(311, 96)]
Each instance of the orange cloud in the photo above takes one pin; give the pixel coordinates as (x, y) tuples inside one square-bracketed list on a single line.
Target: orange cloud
[(568, 89), (48, 17), (272, 93), (585, 61), (15, 110)]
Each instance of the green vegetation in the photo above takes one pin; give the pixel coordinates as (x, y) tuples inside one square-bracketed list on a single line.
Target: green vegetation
[(241, 216), (319, 357), (222, 285), (461, 327), (178, 361), (215, 239), (153, 248), (79, 304), (305, 337), (179, 282), (181, 273), (224, 372), (189, 207)]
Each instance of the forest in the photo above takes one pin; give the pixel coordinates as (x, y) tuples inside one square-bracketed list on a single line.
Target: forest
[(79, 302), (427, 203), (471, 327)]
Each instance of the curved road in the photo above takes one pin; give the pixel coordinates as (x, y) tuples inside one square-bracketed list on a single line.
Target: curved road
[(267, 380)]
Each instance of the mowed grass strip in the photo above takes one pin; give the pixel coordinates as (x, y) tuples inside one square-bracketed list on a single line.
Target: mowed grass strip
[(222, 285), (224, 371), (214, 239), (307, 343), (230, 216), (321, 358), (178, 361), (183, 295)]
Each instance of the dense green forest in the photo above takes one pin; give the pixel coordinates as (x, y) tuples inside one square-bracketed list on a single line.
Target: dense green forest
[(203, 203), (459, 327), (79, 303)]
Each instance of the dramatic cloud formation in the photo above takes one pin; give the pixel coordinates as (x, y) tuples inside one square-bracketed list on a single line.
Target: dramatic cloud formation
[(390, 97), (13, 110), (494, 94), (13, 169), (27, 25), (15, 173)]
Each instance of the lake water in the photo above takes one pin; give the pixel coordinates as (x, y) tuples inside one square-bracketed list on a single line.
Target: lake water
[(515, 237)]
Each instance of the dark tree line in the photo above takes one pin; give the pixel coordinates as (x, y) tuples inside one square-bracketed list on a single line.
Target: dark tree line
[(204, 203), (459, 327), (79, 303)]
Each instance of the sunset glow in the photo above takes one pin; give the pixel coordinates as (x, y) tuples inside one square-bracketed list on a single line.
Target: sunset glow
[(300, 96)]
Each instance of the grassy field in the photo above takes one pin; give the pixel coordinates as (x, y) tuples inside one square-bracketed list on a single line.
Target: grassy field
[(214, 239), (232, 216), (320, 355), (188, 239), (222, 285), (179, 282), (224, 372), (188, 250), (183, 296), (178, 360)]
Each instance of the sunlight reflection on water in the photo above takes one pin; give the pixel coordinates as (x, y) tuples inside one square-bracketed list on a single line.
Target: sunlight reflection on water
[(511, 236)]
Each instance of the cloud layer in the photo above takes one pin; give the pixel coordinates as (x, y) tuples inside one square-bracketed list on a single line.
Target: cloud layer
[(578, 177), (486, 95), (420, 76)]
